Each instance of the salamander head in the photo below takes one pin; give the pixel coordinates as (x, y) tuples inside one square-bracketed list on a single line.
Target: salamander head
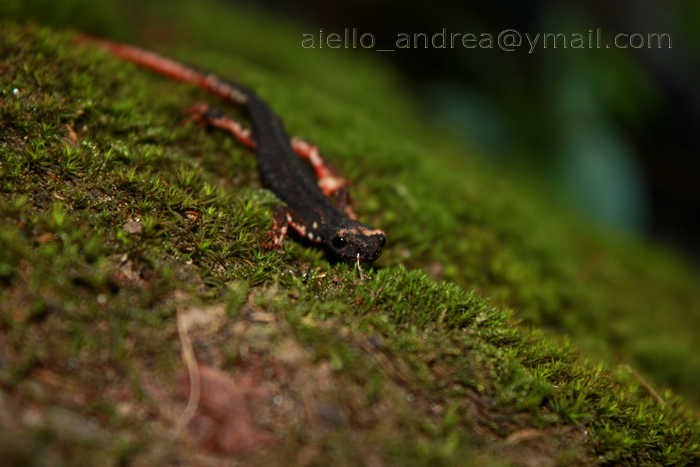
[(355, 241)]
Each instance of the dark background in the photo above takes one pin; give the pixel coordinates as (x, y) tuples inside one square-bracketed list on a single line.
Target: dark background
[(614, 131)]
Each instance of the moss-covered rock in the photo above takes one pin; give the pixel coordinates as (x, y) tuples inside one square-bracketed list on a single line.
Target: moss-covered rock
[(130, 241)]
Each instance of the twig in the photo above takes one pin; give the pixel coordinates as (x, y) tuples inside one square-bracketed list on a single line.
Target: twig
[(362, 277), (190, 360), (649, 388)]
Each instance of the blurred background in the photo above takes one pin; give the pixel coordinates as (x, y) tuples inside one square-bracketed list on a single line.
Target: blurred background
[(615, 132)]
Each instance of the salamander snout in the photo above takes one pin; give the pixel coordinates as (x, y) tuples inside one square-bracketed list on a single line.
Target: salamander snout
[(358, 243)]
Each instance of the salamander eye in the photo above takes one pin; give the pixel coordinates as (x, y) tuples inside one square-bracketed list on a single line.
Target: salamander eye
[(338, 242), (382, 242)]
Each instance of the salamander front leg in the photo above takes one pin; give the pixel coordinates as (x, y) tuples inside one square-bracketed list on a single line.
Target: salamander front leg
[(329, 180), (211, 116), (282, 219), (344, 203)]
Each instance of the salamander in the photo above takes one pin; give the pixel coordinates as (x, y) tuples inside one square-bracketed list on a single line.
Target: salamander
[(308, 210)]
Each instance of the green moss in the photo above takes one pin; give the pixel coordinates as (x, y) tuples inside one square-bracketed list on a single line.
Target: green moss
[(107, 238)]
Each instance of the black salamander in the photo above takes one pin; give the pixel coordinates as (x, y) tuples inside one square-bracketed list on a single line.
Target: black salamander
[(308, 209)]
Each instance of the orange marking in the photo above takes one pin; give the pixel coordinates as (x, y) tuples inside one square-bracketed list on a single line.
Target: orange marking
[(328, 181)]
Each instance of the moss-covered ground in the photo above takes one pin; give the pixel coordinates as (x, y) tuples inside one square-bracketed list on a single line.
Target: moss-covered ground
[(128, 235)]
